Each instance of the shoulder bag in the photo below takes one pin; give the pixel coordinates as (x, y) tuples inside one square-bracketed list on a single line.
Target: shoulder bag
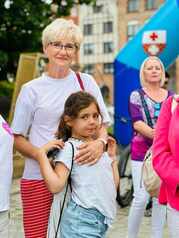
[(149, 177)]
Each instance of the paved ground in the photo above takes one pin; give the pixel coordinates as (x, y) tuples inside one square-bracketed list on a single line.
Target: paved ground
[(118, 230)]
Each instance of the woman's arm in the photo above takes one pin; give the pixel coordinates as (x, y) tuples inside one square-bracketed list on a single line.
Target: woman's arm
[(23, 120), (145, 130), (163, 159), (136, 108), (25, 147), (55, 179)]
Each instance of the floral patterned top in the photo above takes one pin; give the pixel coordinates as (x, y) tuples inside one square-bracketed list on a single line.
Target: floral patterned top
[(140, 144)]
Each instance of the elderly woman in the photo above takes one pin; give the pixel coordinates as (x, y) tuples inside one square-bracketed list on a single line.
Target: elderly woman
[(6, 148), (36, 118), (149, 98)]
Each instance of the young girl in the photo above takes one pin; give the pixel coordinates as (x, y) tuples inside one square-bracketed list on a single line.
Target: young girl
[(92, 207)]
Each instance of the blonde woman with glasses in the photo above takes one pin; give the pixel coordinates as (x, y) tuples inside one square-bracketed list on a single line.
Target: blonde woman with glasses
[(37, 113)]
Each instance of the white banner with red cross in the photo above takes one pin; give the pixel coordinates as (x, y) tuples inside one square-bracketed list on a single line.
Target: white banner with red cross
[(154, 41)]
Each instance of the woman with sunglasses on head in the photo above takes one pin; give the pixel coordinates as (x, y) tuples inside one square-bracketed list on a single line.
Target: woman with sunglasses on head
[(145, 105), (37, 113)]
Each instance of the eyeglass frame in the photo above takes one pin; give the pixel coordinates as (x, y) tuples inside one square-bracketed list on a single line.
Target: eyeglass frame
[(60, 46)]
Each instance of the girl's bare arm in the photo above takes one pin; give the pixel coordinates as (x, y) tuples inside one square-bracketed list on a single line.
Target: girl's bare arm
[(116, 173), (54, 178)]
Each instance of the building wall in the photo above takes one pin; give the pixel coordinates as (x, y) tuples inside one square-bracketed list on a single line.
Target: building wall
[(140, 17), (98, 59)]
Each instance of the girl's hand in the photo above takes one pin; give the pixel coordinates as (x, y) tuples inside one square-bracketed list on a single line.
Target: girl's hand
[(112, 147), (50, 145), (90, 152)]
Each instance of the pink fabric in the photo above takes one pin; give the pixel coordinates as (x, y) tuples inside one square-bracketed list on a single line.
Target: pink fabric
[(166, 154)]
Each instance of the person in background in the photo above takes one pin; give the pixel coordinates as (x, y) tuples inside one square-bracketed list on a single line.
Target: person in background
[(166, 161), (6, 169), (152, 78), (38, 109), (92, 207)]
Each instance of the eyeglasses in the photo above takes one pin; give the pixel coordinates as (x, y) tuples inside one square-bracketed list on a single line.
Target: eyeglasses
[(157, 107), (69, 48)]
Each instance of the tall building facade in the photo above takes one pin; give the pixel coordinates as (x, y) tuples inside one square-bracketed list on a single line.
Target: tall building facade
[(101, 42)]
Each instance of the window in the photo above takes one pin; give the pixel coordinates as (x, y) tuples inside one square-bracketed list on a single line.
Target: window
[(108, 47), (97, 8), (88, 68), (108, 68), (151, 4), (132, 29), (133, 5), (107, 27), (88, 49), (88, 29)]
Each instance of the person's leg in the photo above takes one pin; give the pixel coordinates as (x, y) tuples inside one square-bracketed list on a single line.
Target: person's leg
[(173, 222), (36, 203), (140, 199), (79, 222), (158, 219), (4, 224)]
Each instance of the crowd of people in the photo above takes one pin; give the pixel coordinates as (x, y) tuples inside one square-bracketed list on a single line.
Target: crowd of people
[(72, 192)]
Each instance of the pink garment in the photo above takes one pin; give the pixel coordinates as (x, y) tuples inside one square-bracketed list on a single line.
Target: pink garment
[(166, 154)]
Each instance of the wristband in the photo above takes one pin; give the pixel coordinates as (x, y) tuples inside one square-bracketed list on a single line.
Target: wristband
[(105, 143)]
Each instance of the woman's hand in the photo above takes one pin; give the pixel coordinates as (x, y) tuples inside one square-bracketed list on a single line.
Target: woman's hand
[(152, 132), (145, 130), (90, 152)]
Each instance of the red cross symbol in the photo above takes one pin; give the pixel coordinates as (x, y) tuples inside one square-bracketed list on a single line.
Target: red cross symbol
[(153, 36)]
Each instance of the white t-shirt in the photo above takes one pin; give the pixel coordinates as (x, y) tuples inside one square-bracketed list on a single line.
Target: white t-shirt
[(92, 186), (39, 107), (6, 153)]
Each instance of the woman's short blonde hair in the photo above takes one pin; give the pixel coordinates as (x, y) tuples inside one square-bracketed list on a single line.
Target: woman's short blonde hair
[(61, 29), (142, 77)]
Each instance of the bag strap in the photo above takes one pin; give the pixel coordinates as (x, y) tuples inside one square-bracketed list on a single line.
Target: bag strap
[(80, 81), (66, 190), (146, 110)]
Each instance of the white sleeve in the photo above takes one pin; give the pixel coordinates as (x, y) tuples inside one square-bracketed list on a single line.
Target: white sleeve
[(92, 88), (24, 111), (65, 155)]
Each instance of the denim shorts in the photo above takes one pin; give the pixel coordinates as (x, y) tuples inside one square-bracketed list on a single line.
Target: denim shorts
[(79, 222)]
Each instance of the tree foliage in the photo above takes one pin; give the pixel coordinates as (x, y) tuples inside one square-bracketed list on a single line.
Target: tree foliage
[(21, 24)]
